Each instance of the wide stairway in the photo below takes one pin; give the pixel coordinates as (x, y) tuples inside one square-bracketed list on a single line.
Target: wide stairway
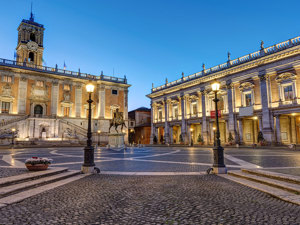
[(283, 186), (17, 188)]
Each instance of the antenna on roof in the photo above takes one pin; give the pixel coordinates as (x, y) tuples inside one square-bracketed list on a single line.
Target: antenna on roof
[(31, 14)]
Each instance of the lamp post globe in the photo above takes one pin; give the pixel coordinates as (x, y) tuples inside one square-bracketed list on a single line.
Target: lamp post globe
[(218, 151), (89, 164)]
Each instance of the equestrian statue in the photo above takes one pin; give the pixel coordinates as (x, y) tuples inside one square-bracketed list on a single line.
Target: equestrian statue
[(117, 120)]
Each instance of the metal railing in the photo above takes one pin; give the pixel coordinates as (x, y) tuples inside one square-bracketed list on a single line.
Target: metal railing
[(4, 123), (246, 58), (29, 66)]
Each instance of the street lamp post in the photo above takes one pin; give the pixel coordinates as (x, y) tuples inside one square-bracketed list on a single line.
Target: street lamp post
[(98, 137), (13, 136), (218, 151), (89, 165), (214, 129)]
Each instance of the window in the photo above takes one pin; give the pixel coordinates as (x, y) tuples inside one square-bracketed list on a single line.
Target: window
[(31, 57), (67, 87), (175, 111), (38, 110), (32, 37), (160, 114), (220, 103), (248, 99), (7, 79), (194, 108), (66, 111), (131, 124), (114, 92), (5, 107), (288, 93), (40, 83)]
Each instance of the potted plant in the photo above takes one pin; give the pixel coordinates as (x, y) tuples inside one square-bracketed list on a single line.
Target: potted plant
[(230, 139), (37, 163), (180, 139), (260, 139), (200, 139)]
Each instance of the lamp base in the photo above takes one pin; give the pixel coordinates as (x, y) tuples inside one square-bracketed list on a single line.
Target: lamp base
[(219, 170), (88, 169)]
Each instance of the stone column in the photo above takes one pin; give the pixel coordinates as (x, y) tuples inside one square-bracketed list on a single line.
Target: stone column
[(22, 95), (101, 105), (266, 117), (278, 130), (183, 122), (260, 123), (54, 98), (166, 129), (152, 125), (231, 116), (204, 121), (171, 135), (293, 130), (241, 131)]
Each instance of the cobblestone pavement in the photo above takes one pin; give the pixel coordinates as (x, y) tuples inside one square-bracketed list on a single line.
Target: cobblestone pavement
[(108, 199), (6, 172)]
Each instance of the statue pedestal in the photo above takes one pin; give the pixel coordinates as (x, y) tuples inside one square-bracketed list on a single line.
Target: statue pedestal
[(116, 141)]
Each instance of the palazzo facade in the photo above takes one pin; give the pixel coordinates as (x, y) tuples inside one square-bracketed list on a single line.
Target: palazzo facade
[(260, 92), (50, 103)]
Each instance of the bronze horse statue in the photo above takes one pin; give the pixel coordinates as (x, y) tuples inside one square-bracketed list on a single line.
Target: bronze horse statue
[(117, 121)]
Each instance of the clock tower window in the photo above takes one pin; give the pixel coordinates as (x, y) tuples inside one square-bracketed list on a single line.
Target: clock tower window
[(31, 57), (32, 37)]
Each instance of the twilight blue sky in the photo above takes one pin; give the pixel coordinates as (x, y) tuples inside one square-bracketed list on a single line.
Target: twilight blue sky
[(149, 40)]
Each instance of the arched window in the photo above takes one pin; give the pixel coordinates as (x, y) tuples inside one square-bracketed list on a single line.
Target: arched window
[(38, 110), (31, 57), (32, 37)]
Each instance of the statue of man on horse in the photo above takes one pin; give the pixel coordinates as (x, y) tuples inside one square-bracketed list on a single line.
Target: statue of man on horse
[(117, 120)]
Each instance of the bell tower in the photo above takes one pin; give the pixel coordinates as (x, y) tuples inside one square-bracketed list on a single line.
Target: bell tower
[(30, 42)]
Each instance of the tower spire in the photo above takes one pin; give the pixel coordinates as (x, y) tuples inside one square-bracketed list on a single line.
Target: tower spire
[(31, 14)]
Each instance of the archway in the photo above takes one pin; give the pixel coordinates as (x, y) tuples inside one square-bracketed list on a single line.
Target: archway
[(38, 111)]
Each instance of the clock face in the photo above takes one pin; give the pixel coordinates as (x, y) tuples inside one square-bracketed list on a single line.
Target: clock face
[(33, 46)]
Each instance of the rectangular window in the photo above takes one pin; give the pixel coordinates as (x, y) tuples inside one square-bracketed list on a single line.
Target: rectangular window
[(176, 112), (67, 87), (5, 107), (7, 79), (67, 111), (220, 103), (114, 92), (131, 124), (248, 98), (194, 108), (288, 93), (40, 83), (160, 115)]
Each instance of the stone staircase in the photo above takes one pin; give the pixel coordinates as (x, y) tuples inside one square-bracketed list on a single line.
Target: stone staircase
[(17, 188), (80, 131), (9, 123), (282, 186)]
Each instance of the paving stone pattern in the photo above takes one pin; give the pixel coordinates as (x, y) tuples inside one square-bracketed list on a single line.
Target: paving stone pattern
[(108, 199), (6, 172)]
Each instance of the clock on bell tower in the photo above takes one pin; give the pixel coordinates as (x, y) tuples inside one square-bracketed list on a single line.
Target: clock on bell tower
[(30, 42)]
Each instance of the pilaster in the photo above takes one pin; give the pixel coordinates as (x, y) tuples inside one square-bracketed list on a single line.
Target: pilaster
[(204, 120), (266, 117), (78, 100), (22, 95), (231, 115), (54, 98)]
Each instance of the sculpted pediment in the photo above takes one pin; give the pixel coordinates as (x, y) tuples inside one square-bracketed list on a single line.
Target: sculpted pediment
[(246, 85), (285, 76)]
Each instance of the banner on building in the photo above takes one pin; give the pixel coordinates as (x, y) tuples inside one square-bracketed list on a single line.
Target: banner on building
[(213, 114)]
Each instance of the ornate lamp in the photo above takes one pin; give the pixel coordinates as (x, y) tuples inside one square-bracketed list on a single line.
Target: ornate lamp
[(218, 150), (89, 164)]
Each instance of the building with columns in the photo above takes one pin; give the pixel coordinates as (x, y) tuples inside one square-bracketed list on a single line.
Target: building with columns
[(260, 92), (51, 103)]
